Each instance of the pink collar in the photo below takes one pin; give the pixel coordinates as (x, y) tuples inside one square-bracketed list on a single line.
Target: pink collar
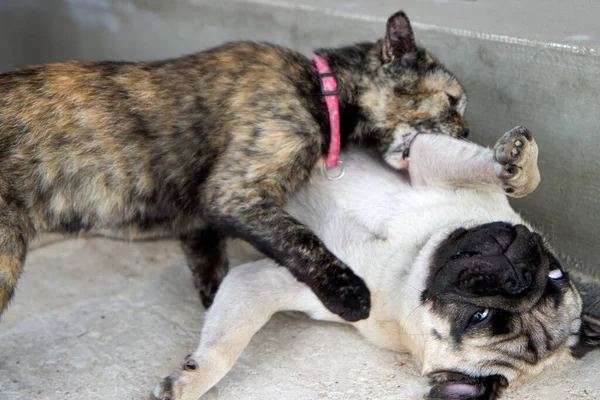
[(330, 90)]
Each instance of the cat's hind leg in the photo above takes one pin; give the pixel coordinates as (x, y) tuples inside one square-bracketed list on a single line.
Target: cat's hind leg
[(205, 251), (15, 233)]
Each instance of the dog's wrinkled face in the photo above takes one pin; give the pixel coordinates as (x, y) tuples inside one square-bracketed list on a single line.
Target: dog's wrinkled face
[(408, 91), (499, 308)]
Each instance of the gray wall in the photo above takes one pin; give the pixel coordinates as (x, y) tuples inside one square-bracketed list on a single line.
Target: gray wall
[(520, 63)]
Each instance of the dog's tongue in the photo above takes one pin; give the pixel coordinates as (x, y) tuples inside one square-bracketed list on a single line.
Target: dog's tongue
[(455, 391)]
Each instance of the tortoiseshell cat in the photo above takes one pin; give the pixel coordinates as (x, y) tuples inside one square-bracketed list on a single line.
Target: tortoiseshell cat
[(207, 146)]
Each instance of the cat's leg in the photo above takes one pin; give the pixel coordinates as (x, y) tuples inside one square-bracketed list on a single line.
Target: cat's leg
[(247, 299), (250, 211), (15, 233), (510, 167), (206, 253), (272, 150)]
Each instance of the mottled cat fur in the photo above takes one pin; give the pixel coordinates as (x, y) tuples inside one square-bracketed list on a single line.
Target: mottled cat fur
[(206, 147)]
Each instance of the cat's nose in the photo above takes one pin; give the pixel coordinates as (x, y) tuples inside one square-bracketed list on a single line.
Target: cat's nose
[(465, 132)]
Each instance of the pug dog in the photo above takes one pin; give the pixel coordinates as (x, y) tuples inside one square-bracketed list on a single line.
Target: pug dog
[(457, 277)]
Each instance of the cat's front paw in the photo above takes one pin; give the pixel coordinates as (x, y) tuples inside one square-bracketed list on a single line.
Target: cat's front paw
[(344, 293), (516, 155)]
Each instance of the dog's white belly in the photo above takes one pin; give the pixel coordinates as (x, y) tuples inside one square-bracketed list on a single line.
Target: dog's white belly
[(373, 206)]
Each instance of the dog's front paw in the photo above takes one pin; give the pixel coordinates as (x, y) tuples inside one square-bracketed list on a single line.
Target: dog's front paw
[(516, 155), (344, 293)]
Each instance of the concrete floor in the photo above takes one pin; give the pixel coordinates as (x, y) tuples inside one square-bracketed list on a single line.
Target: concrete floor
[(99, 319), (532, 63)]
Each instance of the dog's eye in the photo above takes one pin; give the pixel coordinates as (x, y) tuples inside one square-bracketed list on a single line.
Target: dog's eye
[(480, 316), (555, 273)]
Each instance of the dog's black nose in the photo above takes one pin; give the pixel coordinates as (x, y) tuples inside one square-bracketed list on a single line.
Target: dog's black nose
[(516, 280), (465, 132)]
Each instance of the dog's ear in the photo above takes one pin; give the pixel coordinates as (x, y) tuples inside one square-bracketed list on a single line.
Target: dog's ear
[(589, 337), (399, 38), (462, 387), (589, 332)]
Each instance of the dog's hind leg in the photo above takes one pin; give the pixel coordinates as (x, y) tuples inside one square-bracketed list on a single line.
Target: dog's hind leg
[(247, 299), (206, 255), (15, 233)]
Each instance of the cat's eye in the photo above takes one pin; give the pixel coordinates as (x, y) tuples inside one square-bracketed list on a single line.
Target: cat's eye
[(480, 315)]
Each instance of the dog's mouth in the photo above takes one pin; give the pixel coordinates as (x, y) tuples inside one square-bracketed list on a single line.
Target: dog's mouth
[(452, 385)]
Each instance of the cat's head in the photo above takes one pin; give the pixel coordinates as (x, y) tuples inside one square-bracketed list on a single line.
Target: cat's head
[(406, 91)]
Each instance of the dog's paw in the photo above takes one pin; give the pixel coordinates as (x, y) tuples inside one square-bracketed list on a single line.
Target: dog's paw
[(516, 155), (172, 387), (165, 390), (344, 294)]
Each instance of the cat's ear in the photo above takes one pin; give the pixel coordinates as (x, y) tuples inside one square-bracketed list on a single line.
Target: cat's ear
[(399, 38)]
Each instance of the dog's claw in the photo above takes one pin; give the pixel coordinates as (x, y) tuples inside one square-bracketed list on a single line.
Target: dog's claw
[(516, 154)]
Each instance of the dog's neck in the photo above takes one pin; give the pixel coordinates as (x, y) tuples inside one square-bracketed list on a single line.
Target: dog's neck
[(413, 312)]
